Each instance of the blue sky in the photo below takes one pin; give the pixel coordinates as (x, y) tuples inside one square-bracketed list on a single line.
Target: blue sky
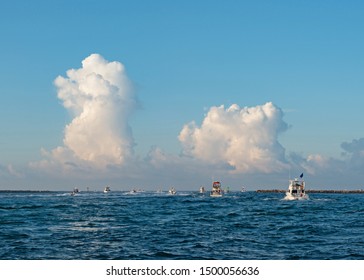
[(184, 58)]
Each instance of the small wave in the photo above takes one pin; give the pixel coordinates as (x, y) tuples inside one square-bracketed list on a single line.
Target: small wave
[(8, 208), (21, 207), (233, 214), (271, 198), (63, 194), (163, 254), (86, 229), (323, 199)]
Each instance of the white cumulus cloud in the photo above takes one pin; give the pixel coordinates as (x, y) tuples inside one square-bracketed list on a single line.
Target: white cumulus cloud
[(100, 99), (244, 138)]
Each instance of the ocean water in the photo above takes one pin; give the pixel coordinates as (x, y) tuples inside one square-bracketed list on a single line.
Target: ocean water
[(158, 226)]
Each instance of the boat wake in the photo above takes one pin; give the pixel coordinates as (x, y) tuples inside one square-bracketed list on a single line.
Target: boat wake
[(323, 199)]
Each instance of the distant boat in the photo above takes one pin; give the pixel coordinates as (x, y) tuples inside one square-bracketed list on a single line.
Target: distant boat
[(296, 190), (135, 191), (243, 189), (202, 189), (216, 189), (107, 190), (75, 191), (172, 191)]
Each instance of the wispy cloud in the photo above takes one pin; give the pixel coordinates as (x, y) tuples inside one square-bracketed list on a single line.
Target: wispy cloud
[(355, 147), (9, 171)]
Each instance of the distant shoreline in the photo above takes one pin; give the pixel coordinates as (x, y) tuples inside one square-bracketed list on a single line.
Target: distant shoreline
[(31, 191), (315, 191)]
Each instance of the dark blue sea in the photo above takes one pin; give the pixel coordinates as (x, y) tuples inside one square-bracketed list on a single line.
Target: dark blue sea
[(158, 226)]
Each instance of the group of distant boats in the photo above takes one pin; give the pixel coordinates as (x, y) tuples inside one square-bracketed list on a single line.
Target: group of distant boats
[(77, 191), (296, 190), (216, 191)]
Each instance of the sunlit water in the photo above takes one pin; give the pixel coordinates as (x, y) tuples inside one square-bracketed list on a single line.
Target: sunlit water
[(151, 225)]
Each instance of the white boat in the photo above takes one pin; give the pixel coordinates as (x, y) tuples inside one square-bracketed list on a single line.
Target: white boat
[(172, 191), (296, 189), (75, 191), (202, 189), (107, 190), (243, 189), (216, 189)]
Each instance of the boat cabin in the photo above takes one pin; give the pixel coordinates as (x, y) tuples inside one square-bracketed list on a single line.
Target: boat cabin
[(296, 187)]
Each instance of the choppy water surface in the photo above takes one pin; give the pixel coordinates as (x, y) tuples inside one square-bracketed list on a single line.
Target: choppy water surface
[(118, 225)]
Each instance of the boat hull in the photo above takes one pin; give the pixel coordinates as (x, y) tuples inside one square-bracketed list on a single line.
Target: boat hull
[(289, 196), (216, 194)]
